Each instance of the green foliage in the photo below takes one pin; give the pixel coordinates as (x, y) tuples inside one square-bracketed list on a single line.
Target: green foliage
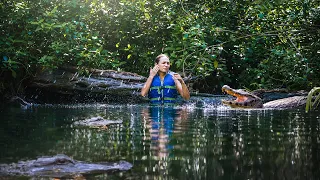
[(253, 44), (48, 34)]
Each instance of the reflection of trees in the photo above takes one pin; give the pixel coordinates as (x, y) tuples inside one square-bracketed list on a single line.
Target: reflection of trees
[(230, 144), (28, 133), (264, 144), (106, 144), (248, 144)]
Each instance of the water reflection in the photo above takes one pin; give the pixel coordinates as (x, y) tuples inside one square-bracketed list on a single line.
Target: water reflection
[(172, 143), (160, 122)]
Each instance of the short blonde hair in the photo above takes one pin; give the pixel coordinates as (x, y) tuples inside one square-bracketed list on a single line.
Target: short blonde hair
[(160, 56)]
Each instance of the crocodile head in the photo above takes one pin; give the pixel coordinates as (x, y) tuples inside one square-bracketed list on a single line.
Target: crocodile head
[(244, 98)]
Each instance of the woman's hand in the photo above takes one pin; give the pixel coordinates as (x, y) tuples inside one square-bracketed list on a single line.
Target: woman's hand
[(177, 77), (154, 71)]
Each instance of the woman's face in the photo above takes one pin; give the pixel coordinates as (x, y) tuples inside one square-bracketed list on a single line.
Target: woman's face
[(164, 64)]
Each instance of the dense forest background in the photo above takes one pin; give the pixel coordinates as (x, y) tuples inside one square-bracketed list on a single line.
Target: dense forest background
[(246, 44)]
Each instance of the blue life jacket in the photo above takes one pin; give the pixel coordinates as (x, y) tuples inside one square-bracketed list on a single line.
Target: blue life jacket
[(163, 92)]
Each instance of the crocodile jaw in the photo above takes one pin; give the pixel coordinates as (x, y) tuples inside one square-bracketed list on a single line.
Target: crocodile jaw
[(242, 101), (244, 104)]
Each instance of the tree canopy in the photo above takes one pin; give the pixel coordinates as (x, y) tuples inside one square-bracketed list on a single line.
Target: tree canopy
[(249, 44)]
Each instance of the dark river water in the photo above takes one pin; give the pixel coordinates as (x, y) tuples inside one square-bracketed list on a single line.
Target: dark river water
[(185, 142)]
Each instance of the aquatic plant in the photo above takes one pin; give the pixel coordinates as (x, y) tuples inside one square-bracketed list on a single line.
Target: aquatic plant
[(313, 99)]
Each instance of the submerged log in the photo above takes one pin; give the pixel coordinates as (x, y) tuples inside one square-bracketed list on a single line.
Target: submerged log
[(60, 166), (96, 122), (66, 85)]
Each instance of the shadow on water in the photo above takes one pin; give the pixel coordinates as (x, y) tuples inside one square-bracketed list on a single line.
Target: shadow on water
[(184, 142)]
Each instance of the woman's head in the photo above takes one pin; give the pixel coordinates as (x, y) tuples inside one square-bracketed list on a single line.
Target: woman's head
[(161, 56), (163, 62)]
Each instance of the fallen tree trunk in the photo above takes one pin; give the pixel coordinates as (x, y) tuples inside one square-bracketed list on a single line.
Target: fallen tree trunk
[(66, 85)]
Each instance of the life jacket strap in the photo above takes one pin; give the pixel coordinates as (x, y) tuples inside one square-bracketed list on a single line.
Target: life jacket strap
[(163, 87), (166, 98), (158, 88)]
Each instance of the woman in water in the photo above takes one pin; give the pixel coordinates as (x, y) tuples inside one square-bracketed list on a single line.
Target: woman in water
[(163, 86)]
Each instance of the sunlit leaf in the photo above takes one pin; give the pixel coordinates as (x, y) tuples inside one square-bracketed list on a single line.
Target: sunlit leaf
[(215, 64)]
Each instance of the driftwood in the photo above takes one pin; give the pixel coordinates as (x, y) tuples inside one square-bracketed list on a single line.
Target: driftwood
[(66, 85)]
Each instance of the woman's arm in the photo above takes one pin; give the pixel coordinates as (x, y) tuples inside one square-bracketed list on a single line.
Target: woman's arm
[(181, 86), (147, 84)]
